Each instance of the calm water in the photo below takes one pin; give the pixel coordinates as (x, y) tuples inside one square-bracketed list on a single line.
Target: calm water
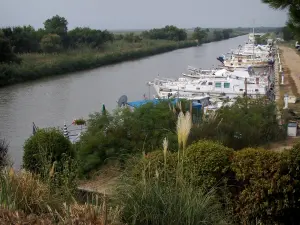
[(51, 101)]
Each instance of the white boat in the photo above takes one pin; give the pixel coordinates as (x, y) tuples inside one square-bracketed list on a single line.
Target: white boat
[(225, 86)]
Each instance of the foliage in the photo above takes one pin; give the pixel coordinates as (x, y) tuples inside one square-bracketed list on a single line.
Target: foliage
[(155, 202), (167, 33), (45, 143), (35, 66), (167, 196), (247, 123), (268, 186), (199, 34), (131, 37), (210, 164), (22, 39), (227, 33), (293, 13), (6, 54), (87, 36), (218, 35), (287, 34), (24, 199), (51, 43), (125, 132), (3, 153), (23, 191)]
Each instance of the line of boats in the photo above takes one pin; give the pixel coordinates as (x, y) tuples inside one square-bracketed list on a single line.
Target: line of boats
[(248, 70)]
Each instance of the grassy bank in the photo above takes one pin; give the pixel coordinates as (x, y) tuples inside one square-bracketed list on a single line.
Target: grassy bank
[(35, 65)]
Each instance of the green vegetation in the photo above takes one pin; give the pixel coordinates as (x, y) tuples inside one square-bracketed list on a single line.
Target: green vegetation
[(292, 30), (3, 153), (171, 174), (29, 54)]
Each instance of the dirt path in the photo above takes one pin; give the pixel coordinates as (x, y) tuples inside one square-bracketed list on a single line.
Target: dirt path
[(292, 60)]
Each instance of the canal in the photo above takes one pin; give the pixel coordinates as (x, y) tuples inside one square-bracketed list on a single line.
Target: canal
[(53, 100)]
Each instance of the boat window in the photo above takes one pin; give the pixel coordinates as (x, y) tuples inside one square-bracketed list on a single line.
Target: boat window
[(226, 85), (210, 83), (203, 83), (197, 88), (241, 89), (256, 89), (218, 84)]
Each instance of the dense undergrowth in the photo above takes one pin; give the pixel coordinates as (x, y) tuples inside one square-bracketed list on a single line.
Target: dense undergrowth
[(172, 172)]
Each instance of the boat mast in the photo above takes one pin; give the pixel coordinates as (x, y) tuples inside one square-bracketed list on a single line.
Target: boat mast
[(253, 40)]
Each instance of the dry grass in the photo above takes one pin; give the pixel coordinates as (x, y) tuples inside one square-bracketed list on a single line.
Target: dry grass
[(23, 191), (24, 199), (74, 214)]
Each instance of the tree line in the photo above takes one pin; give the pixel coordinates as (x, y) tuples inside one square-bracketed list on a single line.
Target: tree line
[(55, 37)]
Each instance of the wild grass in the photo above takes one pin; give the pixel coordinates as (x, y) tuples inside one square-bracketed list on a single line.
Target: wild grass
[(160, 200), (24, 199), (36, 65), (23, 191)]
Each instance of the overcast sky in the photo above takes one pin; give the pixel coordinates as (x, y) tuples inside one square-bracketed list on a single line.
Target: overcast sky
[(141, 14)]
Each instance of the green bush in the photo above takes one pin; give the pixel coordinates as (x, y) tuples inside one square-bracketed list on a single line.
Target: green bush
[(247, 123), (206, 164), (45, 147), (157, 191), (125, 133), (210, 163), (268, 186)]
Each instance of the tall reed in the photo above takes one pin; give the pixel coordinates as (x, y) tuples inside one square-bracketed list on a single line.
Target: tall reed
[(163, 200)]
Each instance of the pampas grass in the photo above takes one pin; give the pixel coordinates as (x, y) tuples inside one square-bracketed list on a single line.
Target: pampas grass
[(184, 125)]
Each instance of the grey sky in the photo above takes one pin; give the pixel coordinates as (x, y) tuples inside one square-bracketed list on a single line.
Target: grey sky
[(141, 14)]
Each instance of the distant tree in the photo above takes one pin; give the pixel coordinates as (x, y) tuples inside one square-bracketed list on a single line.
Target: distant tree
[(226, 33), (131, 37), (218, 35), (199, 34), (6, 53), (287, 33), (167, 33), (51, 43), (22, 39), (58, 25)]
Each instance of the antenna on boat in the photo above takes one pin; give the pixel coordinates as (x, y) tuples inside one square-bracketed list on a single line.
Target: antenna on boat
[(122, 101)]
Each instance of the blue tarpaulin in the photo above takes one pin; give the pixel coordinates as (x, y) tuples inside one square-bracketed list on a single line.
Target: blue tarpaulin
[(136, 104)]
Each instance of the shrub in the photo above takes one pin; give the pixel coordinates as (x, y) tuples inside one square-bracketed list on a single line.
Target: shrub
[(264, 187), (156, 202), (206, 164), (247, 123), (209, 163), (45, 147), (125, 133), (3, 153)]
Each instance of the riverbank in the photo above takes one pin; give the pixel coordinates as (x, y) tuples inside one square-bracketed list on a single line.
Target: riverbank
[(35, 66)]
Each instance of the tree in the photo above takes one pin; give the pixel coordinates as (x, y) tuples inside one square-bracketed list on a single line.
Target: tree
[(287, 33), (227, 33), (6, 53), (293, 12), (218, 35), (57, 25), (199, 34), (167, 33), (51, 43)]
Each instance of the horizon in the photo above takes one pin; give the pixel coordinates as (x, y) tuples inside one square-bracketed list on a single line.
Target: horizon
[(134, 14)]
